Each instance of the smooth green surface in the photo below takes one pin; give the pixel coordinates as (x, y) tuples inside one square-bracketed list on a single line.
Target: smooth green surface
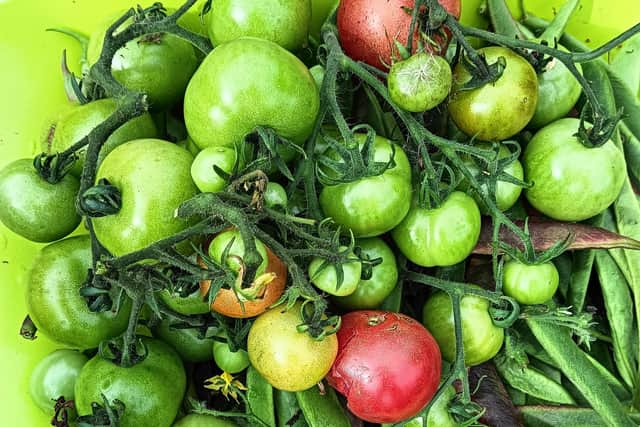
[(32, 91)]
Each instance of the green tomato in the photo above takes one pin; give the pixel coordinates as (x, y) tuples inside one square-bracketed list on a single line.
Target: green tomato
[(275, 196), (480, 337), (496, 111), (154, 178), (188, 305), (221, 106), (283, 22), (371, 292), (507, 194), (77, 122), (558, 91), (151, 390), (54, 301), (530, 284), (326, 279), (203, 173), (438, 415), (157, 64), (200, 420), (54, 376), (372, 205), (320, 11), (420, 82), (441, 236), (289, 360), (219, 244), (229, 361), (570, 181), (32, 207), (186, 342)]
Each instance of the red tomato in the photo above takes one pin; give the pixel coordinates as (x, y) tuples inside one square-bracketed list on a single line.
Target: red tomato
[(368, 28), (388, 365)]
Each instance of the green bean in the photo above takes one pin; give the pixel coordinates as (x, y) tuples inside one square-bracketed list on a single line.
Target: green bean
[(549, 416), (627, 63), (626, 100), (619, 389), (617, 300), (579, 280), (260, 397), (531, 381), (501, 19), (549, 371), (556, 27), (517, 397), (631, 145), (575, 365), (563, 265), (322, 409), (288, 412)]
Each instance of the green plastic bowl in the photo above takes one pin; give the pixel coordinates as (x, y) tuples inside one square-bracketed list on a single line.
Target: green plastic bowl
[(31, 89)]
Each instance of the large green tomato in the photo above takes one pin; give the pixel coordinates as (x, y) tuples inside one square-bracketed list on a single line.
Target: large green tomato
[(154, 178), (480, 337), (32, 207), (372, 291), (289, 360), (54, 301), (283, 22), (55, 376), (76, 123), (372, 205), (158, 64), (495, 111), (246, 83), (570, 181), (442, 236), (151, 390), (558, 91)]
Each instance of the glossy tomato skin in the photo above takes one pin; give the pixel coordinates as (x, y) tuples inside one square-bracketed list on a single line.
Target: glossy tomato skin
[(54, 376), (495, 112), (442, 236), (221, 108), (201, 420), (32, 207), (388, 365), (372, 205), (289, 360), (284, 23), (159, 64), (186, 342), (530, 284), (233, 240), (154, 178), (152, 390), (558, 91), (78, 121), (368, 28), (570, 181), (384, 277), (320, 11), (481, 338), (54, 301)]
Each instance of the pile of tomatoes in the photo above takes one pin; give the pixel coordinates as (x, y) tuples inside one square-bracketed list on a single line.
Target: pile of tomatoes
[(245, 198)]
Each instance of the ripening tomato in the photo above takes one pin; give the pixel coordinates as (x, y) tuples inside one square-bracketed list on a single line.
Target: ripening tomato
[(388, 365), (368, 29), (289, 360)]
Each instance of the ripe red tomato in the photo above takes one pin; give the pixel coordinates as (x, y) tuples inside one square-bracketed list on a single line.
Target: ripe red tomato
[(388, 365), (368, 28)]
